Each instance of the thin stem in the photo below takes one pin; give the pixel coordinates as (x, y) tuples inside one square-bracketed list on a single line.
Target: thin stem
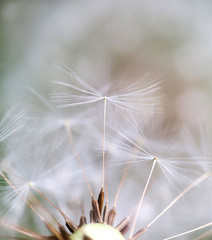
[(13, 238), (126, 170), (194, 184), (190, 231), (142, 197), (106, 182), (103, 148), (124, 174), (69, 133), (33, 187), (22, 230), (204, 235)]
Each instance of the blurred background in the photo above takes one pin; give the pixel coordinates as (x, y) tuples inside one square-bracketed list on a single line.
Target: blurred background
[(170, 40)]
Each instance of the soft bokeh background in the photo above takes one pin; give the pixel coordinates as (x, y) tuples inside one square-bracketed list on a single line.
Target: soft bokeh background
[(110, 39), (169, 39)]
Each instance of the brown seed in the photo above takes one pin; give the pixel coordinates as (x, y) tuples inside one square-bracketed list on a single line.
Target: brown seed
[(63, 232), (71, 226), (92, 216), (101, 200), (82, 221), (138, 234), (124, 225), (95, 207), (105, 213), (125, 229), (111, 216)]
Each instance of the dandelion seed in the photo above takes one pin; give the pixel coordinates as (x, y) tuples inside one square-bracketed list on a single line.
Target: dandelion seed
[(139, 145), (36, 164)]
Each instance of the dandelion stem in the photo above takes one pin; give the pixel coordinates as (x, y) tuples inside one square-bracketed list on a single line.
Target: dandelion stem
[(190, 231), (142, 197), (106, 182), (124, 174), (41, 194), (103, 148), (14, 238), (22, 230), (204, 235), (69, 133), (126, 170), (194, 184)]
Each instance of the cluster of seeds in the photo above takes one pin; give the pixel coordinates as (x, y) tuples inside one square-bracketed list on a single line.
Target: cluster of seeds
[(23, 178)]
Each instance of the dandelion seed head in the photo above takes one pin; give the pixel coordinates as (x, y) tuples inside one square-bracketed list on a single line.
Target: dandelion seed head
[(118, 130)]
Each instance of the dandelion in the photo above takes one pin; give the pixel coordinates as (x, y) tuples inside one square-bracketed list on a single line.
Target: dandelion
[(45, 166)]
